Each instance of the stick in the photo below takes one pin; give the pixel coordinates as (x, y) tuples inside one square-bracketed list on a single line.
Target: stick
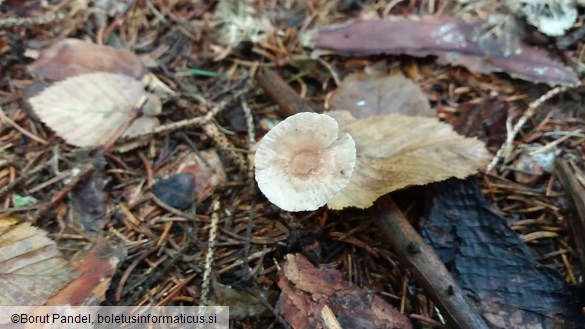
[(281, 93)]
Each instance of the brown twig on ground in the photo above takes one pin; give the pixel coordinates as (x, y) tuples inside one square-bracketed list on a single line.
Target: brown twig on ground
[(425, 265), (281, 93), (201, 120), (577, 193)]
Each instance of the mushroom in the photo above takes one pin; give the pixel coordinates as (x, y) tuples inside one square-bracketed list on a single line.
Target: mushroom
[(302, 162)]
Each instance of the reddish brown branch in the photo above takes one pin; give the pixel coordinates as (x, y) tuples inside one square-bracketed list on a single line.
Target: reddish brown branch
[(281, 93)]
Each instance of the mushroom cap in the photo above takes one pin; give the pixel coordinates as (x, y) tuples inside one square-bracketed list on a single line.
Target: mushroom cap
[(302, 162)]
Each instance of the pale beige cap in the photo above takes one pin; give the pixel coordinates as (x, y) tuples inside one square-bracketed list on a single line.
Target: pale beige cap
[(302, 162)]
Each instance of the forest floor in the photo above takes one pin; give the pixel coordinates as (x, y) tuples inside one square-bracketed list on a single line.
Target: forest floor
[(226, 73)]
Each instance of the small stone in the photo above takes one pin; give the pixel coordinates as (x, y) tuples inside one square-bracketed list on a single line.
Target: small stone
[(176, 191)]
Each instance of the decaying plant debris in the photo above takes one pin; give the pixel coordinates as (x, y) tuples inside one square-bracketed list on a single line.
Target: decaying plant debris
[(172, 214)]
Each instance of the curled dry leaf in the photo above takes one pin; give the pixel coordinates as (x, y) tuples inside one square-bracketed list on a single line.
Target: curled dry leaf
[(73, 57), (89, 109), (451, 40), (31, 266), (396, 151)]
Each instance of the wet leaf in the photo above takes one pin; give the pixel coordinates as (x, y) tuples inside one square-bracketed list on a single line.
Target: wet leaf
[(89, 109), (452, 41), (364, 96), (32, 268), (73, 57), (396, 151)]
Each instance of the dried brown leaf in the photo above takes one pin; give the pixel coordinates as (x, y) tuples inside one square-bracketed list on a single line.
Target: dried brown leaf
[(72, 57), (96, 267), (90, 208), (453, 41), (364, 96), (89, 109), (32, 268), (241, 303), (396, 151), (207, 169)]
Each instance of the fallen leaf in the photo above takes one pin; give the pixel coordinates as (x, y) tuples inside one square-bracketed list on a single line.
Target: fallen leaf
[(207, 169), (532, 163), (363, 96), (96, 267), (90, 209), (241, 303), (396, 151), (72, 57), (32, 268), (451, 40), (89, 109), (236, 118), (307, 289)]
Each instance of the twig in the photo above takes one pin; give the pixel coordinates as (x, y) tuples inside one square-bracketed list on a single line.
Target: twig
[(426, 266), (35, 138), (210, 250), (556, 142), (281, 93), (43, 19), (506, 148), (198, 121), (120, 131), (251, 136), (225, 145)]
